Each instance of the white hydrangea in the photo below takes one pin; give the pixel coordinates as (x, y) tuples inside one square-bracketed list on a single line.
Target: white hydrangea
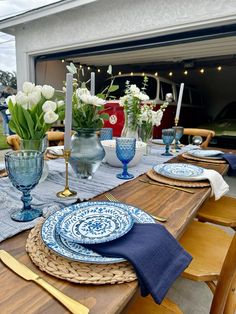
[(134, 89), (50, 117), (142, 96)]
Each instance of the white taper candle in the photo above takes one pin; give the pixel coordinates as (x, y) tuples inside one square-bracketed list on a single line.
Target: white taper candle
[(68, 111), (92, 84), (179, 101)]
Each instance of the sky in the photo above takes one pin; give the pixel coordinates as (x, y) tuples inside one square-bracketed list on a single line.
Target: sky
[(7, 42)]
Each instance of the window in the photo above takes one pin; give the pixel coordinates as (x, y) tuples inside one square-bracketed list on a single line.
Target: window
[(165, 88), (151, 88)]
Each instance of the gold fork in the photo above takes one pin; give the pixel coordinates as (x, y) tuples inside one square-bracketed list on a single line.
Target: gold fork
[(112, 198)]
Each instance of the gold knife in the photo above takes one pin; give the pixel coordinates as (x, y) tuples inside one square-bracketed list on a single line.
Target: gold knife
[(26, 273)]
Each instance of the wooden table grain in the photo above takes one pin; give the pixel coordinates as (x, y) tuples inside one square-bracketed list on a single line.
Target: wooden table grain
[(20, 296)]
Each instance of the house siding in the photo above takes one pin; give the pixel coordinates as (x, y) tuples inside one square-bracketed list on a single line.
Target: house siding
[(110, 21)]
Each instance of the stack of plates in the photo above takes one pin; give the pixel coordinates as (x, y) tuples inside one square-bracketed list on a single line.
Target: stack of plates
[(180, 171), (66, 230)]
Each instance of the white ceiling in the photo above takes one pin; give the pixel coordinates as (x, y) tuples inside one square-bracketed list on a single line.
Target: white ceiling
[(201, 49)]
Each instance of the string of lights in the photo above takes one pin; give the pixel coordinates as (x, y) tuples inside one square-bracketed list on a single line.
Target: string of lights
[(170, 73)]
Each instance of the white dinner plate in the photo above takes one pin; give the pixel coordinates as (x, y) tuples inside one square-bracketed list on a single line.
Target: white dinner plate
[(180, 171), (206, 153)]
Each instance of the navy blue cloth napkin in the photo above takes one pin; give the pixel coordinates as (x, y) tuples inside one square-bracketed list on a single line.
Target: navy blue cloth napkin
[(231, 159), (156, 256)]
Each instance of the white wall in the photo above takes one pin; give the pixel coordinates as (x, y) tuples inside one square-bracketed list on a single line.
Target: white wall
[(112, 21)]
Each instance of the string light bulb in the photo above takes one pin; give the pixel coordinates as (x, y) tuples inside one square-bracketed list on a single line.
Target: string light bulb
[(62, 60), (80, 66), (156, 74), (219, 68), (143, 74), (88, 68), (119, 73), (99, 70), (185, 72), (131, 73), (170, 73), (202, 71)]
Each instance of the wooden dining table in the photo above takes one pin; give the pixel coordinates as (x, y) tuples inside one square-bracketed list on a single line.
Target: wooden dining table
[(20, 296)]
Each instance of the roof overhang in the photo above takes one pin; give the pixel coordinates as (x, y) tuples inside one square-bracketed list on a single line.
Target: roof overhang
[(8, 25)]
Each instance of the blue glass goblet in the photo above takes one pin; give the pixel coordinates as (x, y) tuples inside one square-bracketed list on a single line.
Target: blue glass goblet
[(25, 169), (125, 151), (168, 136), (179, 131)]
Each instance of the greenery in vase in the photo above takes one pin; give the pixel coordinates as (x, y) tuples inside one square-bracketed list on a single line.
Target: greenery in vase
[(88, 110), (131, 102), (34, 110), (149, 117)]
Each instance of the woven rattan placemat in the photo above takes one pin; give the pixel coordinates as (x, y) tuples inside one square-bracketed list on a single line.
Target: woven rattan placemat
[(188, 184), (96, 274), (215, 161)]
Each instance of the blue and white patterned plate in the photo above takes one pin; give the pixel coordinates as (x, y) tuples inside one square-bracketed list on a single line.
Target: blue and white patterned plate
[(180, 171), (95, 222), (76, 252), (206, 153)]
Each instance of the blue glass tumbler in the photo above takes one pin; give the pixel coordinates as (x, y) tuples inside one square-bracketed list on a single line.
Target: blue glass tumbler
[(168, 136), (24, 170), (179, 131), (106, 134), (125, 151)]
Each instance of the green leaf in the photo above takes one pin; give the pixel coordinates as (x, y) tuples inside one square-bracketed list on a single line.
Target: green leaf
[(113, 88), (104, 116), (29, 121)]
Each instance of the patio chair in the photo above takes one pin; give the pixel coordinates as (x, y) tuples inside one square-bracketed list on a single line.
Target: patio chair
[(54, 138), (206, 134), (204, 242), (221, 212)]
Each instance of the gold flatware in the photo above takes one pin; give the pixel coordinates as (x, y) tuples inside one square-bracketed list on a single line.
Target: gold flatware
[(112, 198), (26, 273), (166, 185)]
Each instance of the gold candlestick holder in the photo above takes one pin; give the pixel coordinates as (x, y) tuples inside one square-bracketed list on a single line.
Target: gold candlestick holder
[(66, 192)]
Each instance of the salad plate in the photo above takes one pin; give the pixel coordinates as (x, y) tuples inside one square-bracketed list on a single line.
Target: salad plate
[(75, 251), (212, 154), (180, 171), (95, 222)]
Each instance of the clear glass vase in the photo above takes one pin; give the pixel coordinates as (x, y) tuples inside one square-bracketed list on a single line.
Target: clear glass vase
[(130, 128), (145, 134), (87, 153)]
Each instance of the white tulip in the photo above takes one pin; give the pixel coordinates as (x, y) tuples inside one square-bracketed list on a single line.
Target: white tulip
[(96, 101), (22, 99), (28, 87), (60, 103), (38, 88), (48, 91), (34, 98), (50, 117), (49, 106), (12, 98)]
